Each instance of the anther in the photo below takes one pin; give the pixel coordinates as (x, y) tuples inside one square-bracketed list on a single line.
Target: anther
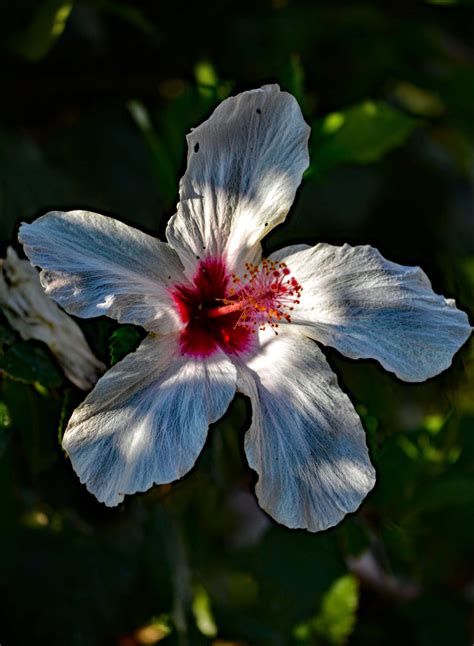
[(264, 296)]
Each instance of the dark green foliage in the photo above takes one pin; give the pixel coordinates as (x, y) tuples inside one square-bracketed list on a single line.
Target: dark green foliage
[(124, 340), (31, 364), (98, 96), (360, 134)]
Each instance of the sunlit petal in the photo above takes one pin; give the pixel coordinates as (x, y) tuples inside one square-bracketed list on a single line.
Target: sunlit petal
[(368, 307), (146, 420), (94, 265), (244, 166), (306, 441)]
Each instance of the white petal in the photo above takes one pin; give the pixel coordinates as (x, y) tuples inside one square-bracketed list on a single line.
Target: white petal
[(35, 316), (306, 441), (244, 166), (367, 307), (94, 265), (146, 420)]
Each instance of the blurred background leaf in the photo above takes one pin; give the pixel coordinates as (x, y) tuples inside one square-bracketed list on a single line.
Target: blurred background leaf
[(46, 26), (30, 363), (122, 341), (360, 134), (336, 619)]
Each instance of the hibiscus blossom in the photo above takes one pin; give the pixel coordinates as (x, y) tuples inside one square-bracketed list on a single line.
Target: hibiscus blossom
[(221, 319)]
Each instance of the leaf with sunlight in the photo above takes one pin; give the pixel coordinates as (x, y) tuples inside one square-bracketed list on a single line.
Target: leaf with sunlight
[(360, 134), (336, 618)]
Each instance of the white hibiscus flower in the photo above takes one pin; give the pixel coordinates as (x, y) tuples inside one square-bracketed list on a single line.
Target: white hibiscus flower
[(221, 319)]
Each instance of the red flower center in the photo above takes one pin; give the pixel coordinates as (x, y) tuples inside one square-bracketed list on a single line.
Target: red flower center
[(220, 310)]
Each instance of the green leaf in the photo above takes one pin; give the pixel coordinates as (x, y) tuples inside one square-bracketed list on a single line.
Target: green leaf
[(312, 562), (34, 417), (28, 181), (165, 133), (5, 425), (358, 135), (30, 363), (67, 407), (438, 620), (123, 341), (337, 616), (446, 492), (7, 337), (205, 74), (293, 79), (46, 26), (162, 162), (201, 607), (132, 15), (5, 420)]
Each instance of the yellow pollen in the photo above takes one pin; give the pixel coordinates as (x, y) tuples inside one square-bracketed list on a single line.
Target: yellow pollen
[(264, 295)]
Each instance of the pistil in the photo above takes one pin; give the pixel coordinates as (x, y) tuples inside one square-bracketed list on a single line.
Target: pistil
[(223, 310)]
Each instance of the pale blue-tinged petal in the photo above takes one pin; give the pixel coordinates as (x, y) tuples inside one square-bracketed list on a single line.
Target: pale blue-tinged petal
[(94, 265), (244, 166), (306, 441), (368, 307), (146, 420)]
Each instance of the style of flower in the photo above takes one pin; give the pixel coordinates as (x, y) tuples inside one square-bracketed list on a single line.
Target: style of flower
[(221, 319)]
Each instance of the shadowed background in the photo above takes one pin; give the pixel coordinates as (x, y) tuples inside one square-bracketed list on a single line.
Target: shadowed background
[(96, 99)]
